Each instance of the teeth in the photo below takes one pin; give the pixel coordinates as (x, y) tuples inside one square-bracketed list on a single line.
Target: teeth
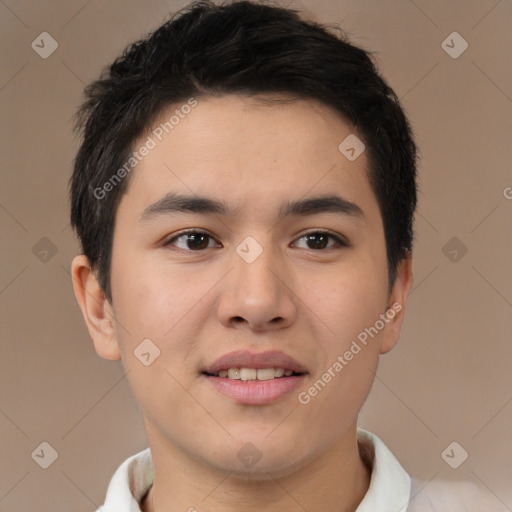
[(234, 373), (246, 374), (266, 374)]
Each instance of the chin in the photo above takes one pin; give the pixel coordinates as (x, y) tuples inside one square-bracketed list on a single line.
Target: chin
[(249, 463)]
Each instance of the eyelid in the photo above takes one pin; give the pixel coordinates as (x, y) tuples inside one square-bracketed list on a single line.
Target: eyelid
[(340, 239), (323, 231), (167, 241)]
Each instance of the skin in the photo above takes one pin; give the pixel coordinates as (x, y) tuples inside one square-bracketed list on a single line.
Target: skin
[(198, 305)]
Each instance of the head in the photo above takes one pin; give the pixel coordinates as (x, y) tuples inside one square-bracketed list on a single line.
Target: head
[(250, 106)]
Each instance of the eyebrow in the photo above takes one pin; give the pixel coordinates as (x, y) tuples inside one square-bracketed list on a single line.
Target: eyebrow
[(179, 203)]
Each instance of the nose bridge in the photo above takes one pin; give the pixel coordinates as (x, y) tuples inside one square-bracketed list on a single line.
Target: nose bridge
[(256, 292), (256, 265)]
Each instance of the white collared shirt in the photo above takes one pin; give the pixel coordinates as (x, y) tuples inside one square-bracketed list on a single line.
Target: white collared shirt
[(391, 488)]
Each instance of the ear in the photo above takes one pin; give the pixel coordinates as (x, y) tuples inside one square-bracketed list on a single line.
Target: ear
[(97, 311), (396, 305)]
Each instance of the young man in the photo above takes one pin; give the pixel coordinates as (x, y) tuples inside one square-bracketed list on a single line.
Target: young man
[(244, 197)]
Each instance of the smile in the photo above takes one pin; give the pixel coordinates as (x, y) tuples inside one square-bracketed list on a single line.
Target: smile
[(248, 374)]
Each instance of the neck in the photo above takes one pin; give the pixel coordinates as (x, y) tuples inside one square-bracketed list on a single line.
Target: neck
[(336, 480)]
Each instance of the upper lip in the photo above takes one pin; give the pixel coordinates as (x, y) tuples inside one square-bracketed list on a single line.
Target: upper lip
[(247, 359)]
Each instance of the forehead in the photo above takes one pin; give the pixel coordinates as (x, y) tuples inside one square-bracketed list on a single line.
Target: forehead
[(250, 150)]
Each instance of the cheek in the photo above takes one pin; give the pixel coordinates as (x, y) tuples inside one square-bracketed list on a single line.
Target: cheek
[(148, 302), (163, 307), (153, 339), (347, 301), (339, 388)]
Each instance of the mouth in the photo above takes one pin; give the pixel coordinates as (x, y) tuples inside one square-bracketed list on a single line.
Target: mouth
[(248, 374), (255, 378)]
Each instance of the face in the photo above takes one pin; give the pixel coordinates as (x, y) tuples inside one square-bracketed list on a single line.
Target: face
[(277, 280)]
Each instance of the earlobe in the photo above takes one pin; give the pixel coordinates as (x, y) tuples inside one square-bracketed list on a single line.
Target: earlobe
[(396, 308), (97, 311)]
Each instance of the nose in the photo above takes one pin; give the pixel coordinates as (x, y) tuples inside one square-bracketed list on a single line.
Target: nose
[(257, 293)]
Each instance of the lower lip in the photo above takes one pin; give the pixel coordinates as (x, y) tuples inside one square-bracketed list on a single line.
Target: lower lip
[(256, 392)]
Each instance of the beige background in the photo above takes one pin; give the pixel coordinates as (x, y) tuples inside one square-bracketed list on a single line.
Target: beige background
[(448, 379)]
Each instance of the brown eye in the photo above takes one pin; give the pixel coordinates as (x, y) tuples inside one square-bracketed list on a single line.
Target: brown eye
[(318, 240), (193, 240)]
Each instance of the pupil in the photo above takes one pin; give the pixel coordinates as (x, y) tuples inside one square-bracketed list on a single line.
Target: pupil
[(317, 235), (195, 238)]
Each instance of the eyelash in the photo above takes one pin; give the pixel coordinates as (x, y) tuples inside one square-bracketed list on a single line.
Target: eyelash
[(340, 242)]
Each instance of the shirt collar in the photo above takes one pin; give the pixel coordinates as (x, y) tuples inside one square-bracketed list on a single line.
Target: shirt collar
[(129, 484), (390, 485)]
